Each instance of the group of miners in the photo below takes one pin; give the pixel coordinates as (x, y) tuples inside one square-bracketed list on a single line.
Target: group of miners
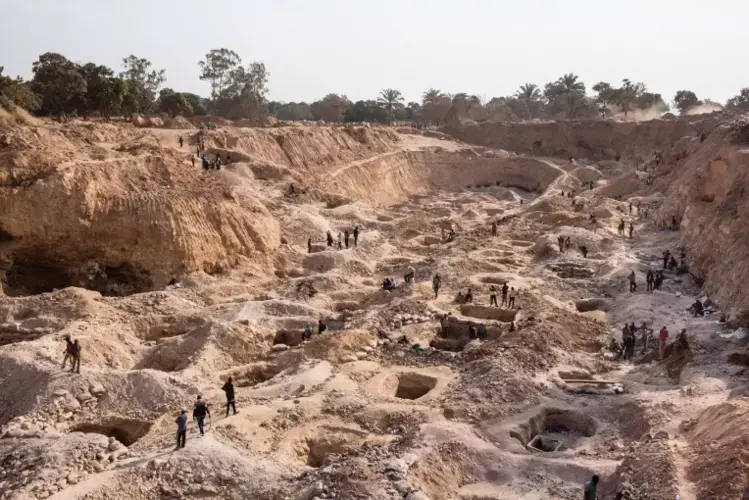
[(448, 235), (508, 296), (308, 331), (343, 238), (622, 225), (626, 351), (654, 279), (200, 411), (214, 164)]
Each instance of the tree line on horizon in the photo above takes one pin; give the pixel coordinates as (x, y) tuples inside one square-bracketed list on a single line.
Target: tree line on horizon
[(61, 87)]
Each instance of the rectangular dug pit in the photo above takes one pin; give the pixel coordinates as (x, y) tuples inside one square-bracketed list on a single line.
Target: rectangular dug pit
[(541, 443), (414, 385)]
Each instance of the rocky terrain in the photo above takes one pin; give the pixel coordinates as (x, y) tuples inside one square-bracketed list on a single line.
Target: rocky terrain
[(174, 279)]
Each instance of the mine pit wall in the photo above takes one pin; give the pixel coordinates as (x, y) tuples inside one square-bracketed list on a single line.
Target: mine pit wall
[(709, 194), (307, 147), (592, 139), (392, 179), (72, 221)]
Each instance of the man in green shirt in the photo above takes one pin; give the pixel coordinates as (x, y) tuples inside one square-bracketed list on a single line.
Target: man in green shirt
[(590, 489)]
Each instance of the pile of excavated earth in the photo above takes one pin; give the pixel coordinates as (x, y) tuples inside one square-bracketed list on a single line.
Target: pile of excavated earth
[(174, 279)]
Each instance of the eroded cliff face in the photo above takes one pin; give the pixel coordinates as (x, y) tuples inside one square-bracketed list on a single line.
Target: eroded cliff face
[(708, 194), (390, 179), (599, 140), (121, 210), (128, 225)]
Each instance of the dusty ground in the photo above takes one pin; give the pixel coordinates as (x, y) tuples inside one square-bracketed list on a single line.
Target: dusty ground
[(356, 412)]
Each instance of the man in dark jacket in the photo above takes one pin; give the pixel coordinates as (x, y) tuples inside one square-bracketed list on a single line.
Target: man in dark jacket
[(228, 388), (68, 351), (181, 429), (591, 487), (199, 412)]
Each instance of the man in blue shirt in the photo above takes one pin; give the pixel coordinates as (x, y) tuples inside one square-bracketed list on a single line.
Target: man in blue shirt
[(181, 429)]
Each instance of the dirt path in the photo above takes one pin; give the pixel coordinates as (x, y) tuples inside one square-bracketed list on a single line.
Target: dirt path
[(409, 143)]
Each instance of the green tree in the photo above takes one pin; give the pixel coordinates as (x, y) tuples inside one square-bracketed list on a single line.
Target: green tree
[(739, 102), (331, 108), (175, 104), (198, 104), (133, 98), (573, 89), (218, 68), (139, 73), (59, 84), (434, 106), (100, 90), (529, 91), (390, 99), (16, 92), (686, 99), (499, 110), (605, 97), (293, 111), (412, 112), (109, 96), (628, 94), (367, 111), (649, 100), (244, 94)]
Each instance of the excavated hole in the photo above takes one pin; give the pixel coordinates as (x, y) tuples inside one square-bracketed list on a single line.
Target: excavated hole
[(414, 385), (36, 274), (124, 430), (555, 430), (258, 373), (5, 236), (587, 305), (22, 280), (338, 442), (486, 312), (572, 271)]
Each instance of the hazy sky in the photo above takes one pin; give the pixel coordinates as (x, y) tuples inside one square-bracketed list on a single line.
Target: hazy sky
[(482, 47)]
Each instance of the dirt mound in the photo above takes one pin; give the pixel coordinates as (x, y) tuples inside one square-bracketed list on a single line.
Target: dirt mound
[(721, 449), (147, 121), (178, 122)]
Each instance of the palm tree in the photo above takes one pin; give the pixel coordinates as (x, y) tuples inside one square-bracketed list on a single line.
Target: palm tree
[(390, 99), (529, 91), (431, 96), (573, 88)]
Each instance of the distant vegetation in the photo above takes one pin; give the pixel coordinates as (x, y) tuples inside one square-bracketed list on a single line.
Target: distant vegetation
[(61, 87)]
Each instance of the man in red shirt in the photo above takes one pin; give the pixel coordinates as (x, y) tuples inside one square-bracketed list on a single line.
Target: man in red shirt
[(666, 255), (662, 339)]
